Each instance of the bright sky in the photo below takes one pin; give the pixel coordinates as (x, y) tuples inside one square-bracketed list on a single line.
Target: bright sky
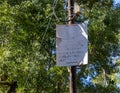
[(117, 1)]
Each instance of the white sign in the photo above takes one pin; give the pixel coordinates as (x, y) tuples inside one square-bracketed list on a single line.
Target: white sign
[(71, 44)]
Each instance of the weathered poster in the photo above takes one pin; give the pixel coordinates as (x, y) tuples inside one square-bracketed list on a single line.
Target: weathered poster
[(71, 45)]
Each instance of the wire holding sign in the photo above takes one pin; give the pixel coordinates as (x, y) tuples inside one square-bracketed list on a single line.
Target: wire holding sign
[(72, 44)]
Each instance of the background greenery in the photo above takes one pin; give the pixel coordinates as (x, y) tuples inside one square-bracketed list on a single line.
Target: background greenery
[(27, 46)]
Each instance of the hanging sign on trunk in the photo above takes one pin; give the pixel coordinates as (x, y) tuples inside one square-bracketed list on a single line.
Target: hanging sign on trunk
[(71, 44)]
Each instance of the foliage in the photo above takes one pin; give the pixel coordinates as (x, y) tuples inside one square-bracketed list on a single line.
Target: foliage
[(25, 57), (27, 46), (103, 28)]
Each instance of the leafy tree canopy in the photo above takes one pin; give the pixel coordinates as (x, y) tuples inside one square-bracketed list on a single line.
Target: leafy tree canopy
[(27, 46)]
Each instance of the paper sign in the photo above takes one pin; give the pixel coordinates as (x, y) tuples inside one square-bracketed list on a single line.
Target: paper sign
[(71, 44)]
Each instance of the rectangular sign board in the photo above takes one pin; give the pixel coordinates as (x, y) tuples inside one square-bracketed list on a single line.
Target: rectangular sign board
[(71, 44)]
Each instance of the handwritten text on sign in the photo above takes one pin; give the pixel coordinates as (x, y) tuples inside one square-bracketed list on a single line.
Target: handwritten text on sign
[(71, 44)]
